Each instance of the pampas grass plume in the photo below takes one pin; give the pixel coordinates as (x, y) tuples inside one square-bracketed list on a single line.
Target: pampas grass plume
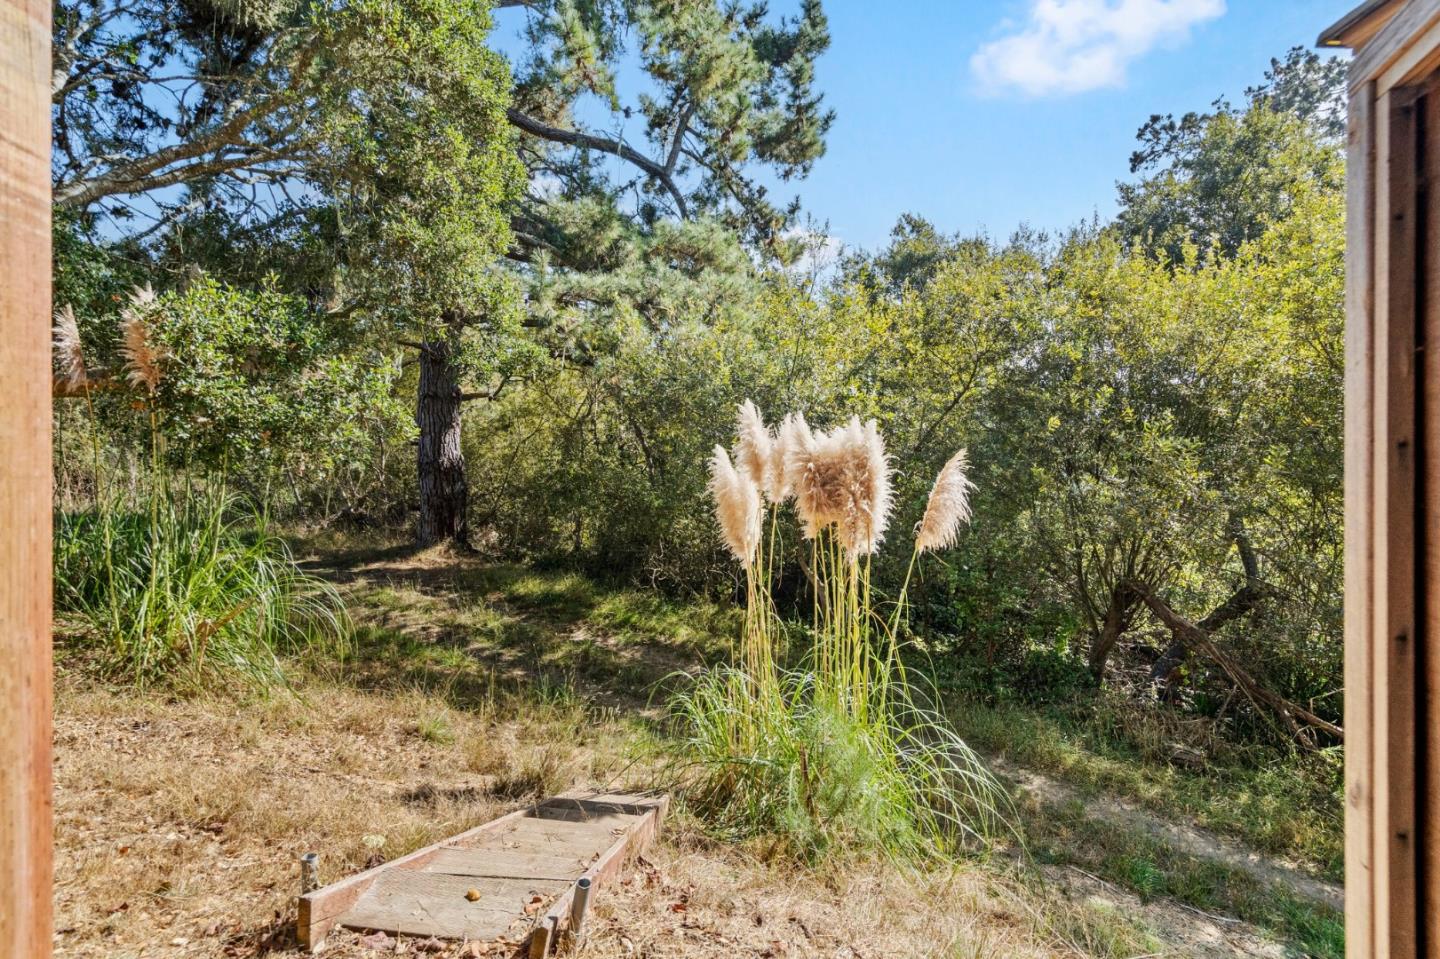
[(793, 442), (949, 506), (873, 496), (69, 353), (815, 472), (841, 478), (142, 355), (755, 454), (737, 507)]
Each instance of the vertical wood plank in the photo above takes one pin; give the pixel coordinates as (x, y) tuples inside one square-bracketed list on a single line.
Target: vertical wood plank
[(25, 802), (1359, 589), (1428, 715), (1396, 659), (1377, 717)]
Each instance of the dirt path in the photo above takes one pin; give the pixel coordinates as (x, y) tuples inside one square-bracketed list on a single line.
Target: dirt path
[(1187, 838), (1187, 932)]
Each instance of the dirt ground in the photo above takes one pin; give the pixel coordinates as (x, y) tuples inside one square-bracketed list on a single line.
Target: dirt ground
[(179, 820), (179, 825)]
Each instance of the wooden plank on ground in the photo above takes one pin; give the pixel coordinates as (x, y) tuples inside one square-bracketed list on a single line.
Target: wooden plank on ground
[(557, 918), (410, 902), (514, 863), (540, 851), (540, 833), (318, 910)]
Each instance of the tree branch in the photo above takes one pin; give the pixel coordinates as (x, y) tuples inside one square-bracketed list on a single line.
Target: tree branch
[(1297, 718), (615, 148), (1240, 602)]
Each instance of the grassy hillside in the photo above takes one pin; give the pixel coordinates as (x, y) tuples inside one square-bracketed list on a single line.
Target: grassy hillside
[(472, 688)]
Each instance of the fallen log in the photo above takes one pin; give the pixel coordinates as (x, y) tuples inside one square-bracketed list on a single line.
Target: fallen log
[(1300, 721), (1243, 600)]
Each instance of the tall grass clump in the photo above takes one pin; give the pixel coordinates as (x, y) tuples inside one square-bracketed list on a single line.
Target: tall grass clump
[(841, 752), (184, 586), (193, 590)]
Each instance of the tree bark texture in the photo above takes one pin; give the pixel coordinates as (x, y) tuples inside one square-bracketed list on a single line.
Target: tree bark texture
[(444, 491), (1299, 720), (1166, 670), (1118, 615)]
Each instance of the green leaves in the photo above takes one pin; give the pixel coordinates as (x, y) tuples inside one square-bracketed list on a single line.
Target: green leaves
[(1221, 179), (257, 381)]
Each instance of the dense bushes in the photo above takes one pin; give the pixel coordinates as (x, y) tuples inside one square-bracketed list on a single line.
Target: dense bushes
[(1152, 402), (193, 590), (1124, 414)]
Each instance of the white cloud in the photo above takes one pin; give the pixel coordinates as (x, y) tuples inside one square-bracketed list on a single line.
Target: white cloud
[(1070, 46)]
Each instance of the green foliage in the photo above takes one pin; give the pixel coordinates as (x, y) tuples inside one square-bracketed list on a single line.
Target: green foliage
[(90, 276), (1283, 802), (1123, 414), (1219, 179), (726, 88), (421, 163), (254, 384), (291, 94), (192, 591), (837, 755), (800, 771), (254, 378)]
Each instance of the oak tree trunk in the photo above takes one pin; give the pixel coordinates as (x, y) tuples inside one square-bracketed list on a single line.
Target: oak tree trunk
[(444, 492), (1118, 615)]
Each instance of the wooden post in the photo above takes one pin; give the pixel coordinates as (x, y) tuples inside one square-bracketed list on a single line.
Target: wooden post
[(1392, 481), (25, 803)]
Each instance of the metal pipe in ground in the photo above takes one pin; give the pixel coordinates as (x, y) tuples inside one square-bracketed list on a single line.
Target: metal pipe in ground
[(579, 905), (309, 872)]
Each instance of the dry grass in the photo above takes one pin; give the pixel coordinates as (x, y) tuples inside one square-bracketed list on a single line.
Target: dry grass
[(178, 822)]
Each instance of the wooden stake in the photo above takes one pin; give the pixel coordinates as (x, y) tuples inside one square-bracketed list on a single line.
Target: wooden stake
[(25, 803)]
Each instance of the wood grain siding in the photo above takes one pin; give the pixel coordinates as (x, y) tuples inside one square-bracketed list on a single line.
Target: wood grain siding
[(1359, 522), (1427, 718), (1392, 492), (1396, 39), (1404, 543), (25, 804)]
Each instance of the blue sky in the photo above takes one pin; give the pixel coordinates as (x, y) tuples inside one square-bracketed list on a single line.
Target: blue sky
[(984, 114)]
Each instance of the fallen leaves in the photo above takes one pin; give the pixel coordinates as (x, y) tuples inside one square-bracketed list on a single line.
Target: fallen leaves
[(376, 940)]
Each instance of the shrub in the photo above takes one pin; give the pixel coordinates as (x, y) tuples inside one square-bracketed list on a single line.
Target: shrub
[(818, 778), (191, 590)]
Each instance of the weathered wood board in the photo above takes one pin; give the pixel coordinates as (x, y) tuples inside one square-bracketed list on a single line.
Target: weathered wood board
[(519, 864)]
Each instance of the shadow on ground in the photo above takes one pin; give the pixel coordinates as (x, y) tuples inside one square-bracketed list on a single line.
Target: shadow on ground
[(441, 620)]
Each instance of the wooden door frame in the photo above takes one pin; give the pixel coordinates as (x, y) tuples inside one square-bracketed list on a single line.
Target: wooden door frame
[(1392, 480), (1392, 909), (26, 856)]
